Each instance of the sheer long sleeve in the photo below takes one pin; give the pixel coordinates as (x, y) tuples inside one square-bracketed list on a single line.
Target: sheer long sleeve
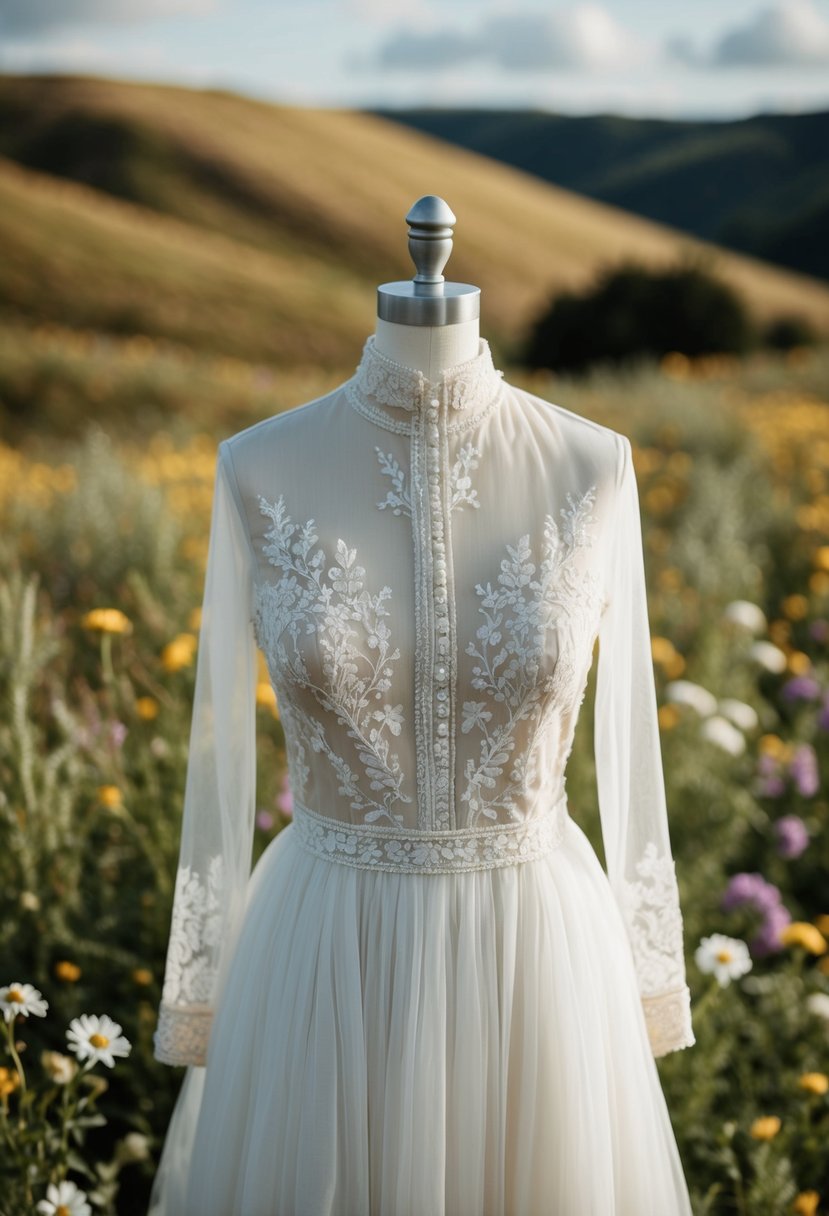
[(630, 781), (217, 817)]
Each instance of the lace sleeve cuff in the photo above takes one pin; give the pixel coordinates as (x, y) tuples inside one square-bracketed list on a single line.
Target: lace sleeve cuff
[(668, 1019), (182, 1034)]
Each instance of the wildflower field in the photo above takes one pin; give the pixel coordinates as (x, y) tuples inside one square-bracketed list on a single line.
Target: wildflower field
[(103, 532)]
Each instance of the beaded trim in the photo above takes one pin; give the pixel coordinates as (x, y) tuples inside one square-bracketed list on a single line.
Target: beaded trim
[(417, 851), (381, 388)]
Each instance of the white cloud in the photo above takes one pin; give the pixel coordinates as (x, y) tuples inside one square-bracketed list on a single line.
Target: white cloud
[(789, 33), (584, 37), (33, 17)]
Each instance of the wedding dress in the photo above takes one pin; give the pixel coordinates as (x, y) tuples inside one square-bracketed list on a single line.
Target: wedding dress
[(429, 998)]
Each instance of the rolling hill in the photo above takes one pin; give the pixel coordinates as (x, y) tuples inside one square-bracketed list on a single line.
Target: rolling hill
[(261, 231), (759, 185)]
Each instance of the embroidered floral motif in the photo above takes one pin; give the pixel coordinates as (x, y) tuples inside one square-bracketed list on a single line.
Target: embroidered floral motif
[(338, 610), (195, 932), (182, 1035), (425, 852), (668, 1019), (650, 903), (518, 616), (398, 497), (460, 483), (396, 384), (391, 393)]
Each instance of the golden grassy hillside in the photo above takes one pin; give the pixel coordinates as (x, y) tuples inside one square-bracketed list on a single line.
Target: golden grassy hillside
[(262, 230)]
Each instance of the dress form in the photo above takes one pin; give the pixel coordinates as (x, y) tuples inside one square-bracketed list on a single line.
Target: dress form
[(425, 322)]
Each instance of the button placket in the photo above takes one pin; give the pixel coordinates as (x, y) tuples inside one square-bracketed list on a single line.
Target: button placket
[(441, 673)]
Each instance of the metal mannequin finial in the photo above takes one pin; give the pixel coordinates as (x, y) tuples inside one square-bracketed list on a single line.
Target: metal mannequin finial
[(428, 299)]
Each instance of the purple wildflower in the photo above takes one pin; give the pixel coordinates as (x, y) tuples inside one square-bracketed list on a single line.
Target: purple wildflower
[(803, 768), (750, 889), (800, 688), (792, 836), (264, 820), (767, 941), (770, 783), (819, 630), (285, 798), (117, 733)]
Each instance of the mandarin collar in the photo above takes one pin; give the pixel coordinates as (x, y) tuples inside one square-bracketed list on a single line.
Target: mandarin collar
[(395, 394)]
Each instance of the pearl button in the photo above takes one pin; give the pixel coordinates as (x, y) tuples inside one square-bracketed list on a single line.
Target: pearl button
[(441, 672), (442, 694), (435, 401), (443, 710), (443, 728)]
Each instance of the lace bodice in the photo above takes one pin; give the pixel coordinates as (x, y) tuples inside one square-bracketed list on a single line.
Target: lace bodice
[(426, 568)]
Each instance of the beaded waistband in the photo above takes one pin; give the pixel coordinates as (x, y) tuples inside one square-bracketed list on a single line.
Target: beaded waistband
[(422, 851)]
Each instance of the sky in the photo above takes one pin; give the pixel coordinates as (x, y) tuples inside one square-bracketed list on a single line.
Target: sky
[(713, 59)]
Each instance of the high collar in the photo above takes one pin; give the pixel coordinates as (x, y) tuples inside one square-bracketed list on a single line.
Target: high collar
[(393, 393)]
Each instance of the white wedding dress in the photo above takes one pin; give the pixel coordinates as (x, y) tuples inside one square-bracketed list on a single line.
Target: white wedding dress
[(429, 998)]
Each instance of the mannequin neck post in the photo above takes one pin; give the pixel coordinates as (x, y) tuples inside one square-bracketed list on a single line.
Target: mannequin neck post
[(431, 349)]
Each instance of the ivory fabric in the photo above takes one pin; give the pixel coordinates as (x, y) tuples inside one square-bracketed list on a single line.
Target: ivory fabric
[(428, 998)]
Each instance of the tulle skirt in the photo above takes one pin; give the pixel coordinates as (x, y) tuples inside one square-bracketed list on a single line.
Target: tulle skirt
[(457, 1044)]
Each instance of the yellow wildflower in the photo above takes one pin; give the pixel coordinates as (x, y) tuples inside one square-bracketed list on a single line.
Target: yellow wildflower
[(9, 1081), (179, 653), (802, 933), (107, 620), (194, 619), (146, 708), (798, 662), (765, 1128), (822, 922), (265, 695), (772, 745), (795, 607), (806, 1203), (662, 649), (70, 972), (668, 716), (814, 1082), (821, 557), (110, 796), (142, 976)]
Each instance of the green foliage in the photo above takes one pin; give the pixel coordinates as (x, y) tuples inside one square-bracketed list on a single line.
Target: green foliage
[(633, 311)]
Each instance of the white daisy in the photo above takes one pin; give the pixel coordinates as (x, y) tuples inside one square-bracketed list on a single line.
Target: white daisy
[(741, 714), (725, 957), (64, 1200), (721, 732), (769, 656), (21, 998), (818, 1003), (97, 1038), (747, 614), (61, 1069), (686, 692)]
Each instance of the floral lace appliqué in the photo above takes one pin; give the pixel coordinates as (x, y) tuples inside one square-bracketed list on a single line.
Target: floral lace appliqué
[(511, 646), (430, 852), (461, 491), (336, 606), (650, 903), (195, 932)]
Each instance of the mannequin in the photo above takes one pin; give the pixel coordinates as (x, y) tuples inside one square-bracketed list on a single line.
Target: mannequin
[(425, 322)]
